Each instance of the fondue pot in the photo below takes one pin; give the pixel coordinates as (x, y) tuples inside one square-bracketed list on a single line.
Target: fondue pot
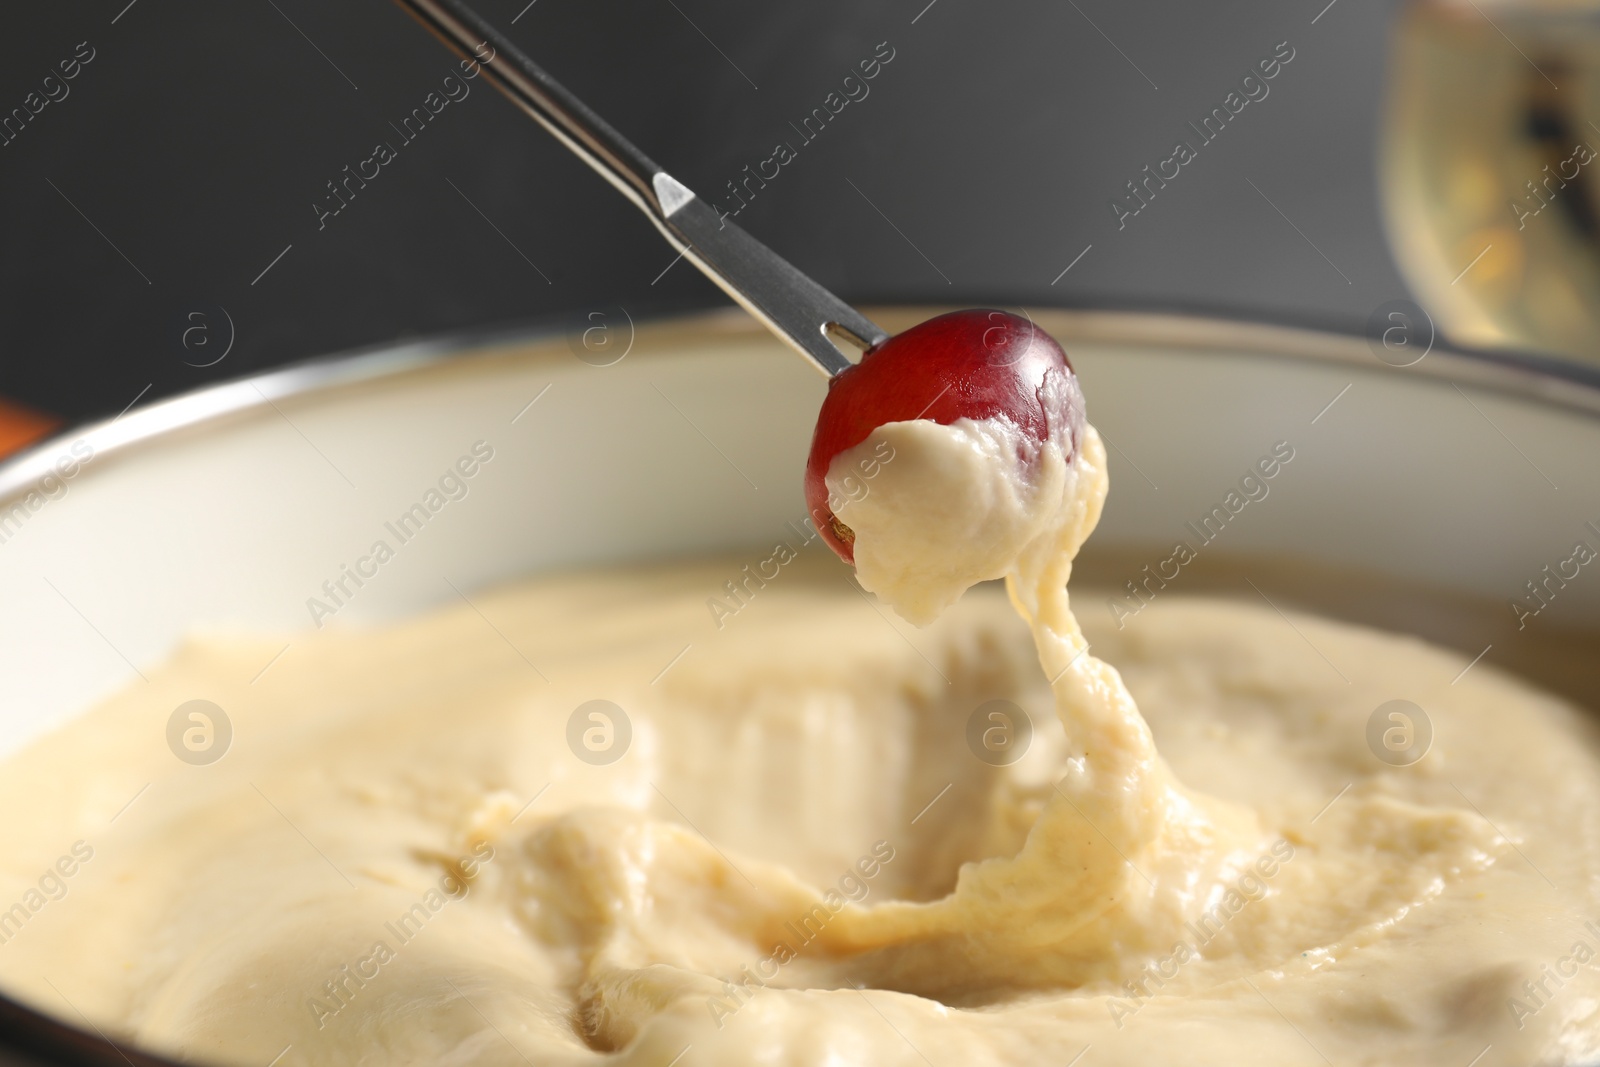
[(1444, 498)]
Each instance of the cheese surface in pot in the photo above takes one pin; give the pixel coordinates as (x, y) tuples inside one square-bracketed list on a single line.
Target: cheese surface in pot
[(735, 811)]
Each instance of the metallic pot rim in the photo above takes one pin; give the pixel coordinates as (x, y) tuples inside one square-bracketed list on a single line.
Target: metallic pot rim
[(1556, 383)]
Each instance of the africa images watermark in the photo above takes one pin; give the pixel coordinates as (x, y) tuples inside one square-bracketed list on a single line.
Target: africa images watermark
[(1255, 89), (411, 126), (347, 982), (1582, 155), (853, 886), (452, 485), (1564, 969), (52, 886), (1253, 488), (855, 90), (1555, 576), (52, 485), (54, 91), (1250, 887), (741, 589)]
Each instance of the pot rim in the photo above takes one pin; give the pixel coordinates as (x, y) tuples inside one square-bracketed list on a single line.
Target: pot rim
[(1556, 383)]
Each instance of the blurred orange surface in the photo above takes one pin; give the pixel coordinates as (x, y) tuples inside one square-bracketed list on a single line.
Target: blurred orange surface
[(20, 427)]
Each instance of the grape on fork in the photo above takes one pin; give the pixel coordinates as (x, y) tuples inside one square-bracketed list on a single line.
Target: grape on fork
[(977, 364), (967, 364)]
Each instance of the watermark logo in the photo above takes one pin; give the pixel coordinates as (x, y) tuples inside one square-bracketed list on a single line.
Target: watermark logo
[(602, 337), (599, 732), (205, 334), (999, 732), (1000, 340), (1399, 733), (1400, 333), (199, 732)]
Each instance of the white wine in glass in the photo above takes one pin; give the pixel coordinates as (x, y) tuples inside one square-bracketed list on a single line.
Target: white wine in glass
[(1490, 170)]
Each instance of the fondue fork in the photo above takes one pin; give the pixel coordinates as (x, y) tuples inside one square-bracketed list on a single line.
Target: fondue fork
[(791, 305)]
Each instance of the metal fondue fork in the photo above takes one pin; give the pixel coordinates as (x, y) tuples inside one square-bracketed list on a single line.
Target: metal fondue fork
[(791, 305)]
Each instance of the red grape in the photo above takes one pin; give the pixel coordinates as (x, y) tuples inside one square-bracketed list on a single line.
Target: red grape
[(976, 364)]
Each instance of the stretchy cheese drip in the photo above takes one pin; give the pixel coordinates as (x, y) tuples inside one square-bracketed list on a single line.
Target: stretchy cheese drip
[(1122, 855)]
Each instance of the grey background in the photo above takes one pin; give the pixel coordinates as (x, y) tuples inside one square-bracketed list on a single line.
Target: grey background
[(193, 146)]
